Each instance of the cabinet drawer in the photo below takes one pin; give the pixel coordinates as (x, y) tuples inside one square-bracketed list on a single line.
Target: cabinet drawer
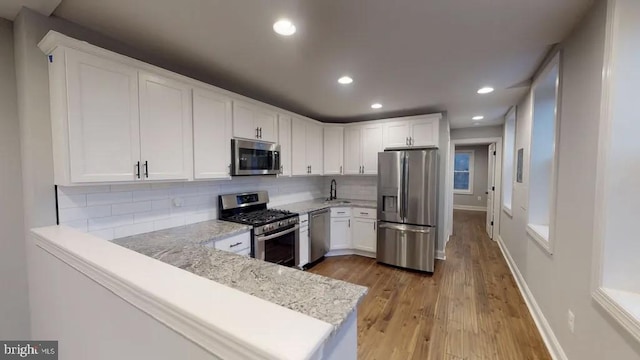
[(235, 243), (364, 213), (340, 212)]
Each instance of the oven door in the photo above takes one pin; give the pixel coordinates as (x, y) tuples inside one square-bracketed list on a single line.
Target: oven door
[(254, 158), (279, 247)]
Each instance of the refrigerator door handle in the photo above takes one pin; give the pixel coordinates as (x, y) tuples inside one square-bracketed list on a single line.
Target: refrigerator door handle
[(405, 185), (407, 228)]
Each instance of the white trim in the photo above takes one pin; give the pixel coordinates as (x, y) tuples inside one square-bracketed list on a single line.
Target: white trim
[(472, 162), (548, 336), (540, 233), (511, 114), (469, 207), (607, 300), (126, 274), (440, 255), (507, 211)]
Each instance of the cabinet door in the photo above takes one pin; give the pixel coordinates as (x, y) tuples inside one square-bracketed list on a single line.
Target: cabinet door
[(425, 132), (267, 122), (305, 247), (104, 119), (333, 150), (284, 140), (364, 234), (299, 165), (212, 132), (340, 233), (166, 134), (244, 125), (314, 147), (352, 150), (371, 145), (396, 134)]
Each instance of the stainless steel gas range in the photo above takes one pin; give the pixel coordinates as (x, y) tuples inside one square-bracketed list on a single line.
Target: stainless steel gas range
[(275, 233)]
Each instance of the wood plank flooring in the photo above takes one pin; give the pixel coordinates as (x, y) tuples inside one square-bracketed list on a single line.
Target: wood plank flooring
[(470, 308)]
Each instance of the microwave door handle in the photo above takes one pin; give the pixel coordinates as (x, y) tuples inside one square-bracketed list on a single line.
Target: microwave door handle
[(273, 236)]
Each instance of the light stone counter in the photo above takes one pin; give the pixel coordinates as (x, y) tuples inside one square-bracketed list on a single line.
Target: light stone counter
[(305, 207)]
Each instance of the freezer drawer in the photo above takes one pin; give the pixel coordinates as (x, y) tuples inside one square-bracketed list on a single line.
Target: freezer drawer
[(407, 246)]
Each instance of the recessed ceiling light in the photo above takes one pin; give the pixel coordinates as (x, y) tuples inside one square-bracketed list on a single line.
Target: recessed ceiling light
[(284, 27), (376, 106), (485, 90), (478, 117), (345, 80)]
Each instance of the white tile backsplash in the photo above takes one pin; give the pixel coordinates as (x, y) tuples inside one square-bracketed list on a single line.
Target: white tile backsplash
[(354, 187), (115, 211)]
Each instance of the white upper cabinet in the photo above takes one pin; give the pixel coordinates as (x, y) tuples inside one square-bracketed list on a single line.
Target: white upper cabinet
[(253, 122), (284, 140), (362, 144), (166, 134), (333, 150), (212, 131), (396, 134), (95, 119), (306, 147), (417, 132), (352, 150)]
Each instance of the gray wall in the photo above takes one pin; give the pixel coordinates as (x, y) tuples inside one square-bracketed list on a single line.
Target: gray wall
[(562, 281), (476, 132), (480, 174), (14, 304)]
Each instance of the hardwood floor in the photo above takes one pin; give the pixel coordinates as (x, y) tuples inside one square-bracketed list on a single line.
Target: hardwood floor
[(470, 308)]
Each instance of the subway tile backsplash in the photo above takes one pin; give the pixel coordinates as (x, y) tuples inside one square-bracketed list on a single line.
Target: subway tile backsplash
[(116, 211)]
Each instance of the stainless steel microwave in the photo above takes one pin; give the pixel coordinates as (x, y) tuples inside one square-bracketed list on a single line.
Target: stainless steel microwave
[(254, 158)]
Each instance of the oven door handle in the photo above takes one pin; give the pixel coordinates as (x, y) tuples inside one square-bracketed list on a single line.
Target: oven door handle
[(273, 236)]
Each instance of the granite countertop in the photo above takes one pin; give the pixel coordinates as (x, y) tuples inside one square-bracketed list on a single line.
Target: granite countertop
[(323, 298), (304, 207)]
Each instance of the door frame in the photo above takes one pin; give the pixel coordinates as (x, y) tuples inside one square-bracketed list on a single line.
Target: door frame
[(497, 205)]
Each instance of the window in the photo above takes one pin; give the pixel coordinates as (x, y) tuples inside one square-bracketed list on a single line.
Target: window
[(542, 154), (463, 172), (509, 159)]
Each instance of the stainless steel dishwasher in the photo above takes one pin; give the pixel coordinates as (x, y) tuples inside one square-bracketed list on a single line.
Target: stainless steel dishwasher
[(319, 232)]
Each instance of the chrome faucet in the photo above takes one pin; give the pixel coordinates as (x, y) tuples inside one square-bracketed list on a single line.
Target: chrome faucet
[(333, 192)]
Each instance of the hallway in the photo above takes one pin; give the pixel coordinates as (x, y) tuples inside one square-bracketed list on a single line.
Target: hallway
[(470, 308)]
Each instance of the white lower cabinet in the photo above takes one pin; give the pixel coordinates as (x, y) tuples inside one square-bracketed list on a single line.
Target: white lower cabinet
[(364, 234), (340, 233), (305, 246)]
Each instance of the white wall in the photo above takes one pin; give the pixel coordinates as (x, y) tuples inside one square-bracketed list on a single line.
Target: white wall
[(122, 210), (562, 281), (477, 132), (480, 178), (14, 305)]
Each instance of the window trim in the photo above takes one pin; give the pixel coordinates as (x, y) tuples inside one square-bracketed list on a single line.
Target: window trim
[(546, 242), (511, 114), (472, 162)]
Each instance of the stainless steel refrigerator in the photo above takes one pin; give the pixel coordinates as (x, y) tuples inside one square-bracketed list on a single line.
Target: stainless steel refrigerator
[(408, 208)]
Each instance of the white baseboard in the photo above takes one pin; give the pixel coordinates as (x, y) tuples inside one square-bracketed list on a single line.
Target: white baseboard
[(549, 338), (440, 255), (469, 208)]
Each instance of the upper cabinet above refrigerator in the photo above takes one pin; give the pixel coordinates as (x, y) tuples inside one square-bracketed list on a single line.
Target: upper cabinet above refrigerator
[(417, 131)]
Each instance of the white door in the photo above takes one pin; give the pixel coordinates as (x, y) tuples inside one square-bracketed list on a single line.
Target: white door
[(284, 140), (424, 132), (364, 234), (333, 150), (352, 150), (396, 134), (104, 119), (491, 184), (299, 164), (266, 121), (314, 148), (166, 134), (371, 145), (212, 132), (340, 233), (244, 125)]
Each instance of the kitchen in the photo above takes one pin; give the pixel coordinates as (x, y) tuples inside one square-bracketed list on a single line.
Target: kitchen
[(151, 162)]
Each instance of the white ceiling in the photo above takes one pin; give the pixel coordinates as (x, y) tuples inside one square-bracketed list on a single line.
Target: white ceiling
[(413, 56), (10, 8)]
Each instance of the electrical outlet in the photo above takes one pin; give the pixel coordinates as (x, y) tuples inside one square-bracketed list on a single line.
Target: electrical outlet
[(572, 320), (479, 198), (178, 202)]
